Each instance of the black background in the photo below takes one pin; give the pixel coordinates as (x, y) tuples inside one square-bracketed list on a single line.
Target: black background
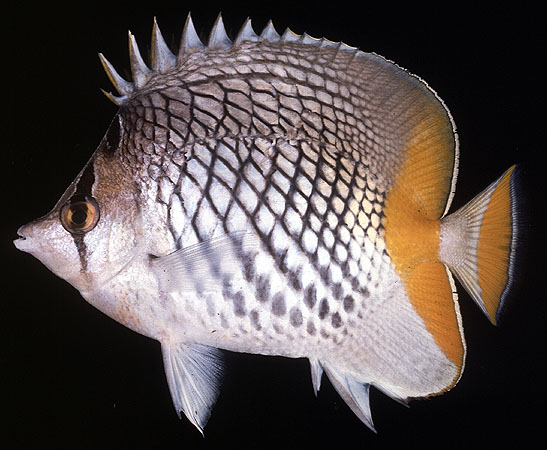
[(73, 378)]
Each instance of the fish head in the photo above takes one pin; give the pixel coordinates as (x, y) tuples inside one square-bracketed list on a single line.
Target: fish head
[(92, 232)]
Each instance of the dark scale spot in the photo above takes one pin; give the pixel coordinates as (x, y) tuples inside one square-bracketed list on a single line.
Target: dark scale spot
[(239, 304), (310, 296), (294, 281), (365, 292), (349, 303), (249, 271), (336, 320), (278, 304), (262, 289), (324, 334), (323, 308), (310, 328), (337, 291), (255, 320), (324, 274), (223, 321), (227, 291), (295, 317), (344, 266)]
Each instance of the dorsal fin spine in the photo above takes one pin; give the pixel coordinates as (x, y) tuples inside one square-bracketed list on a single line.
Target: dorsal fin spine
[(246, 33), (139, 69), (190, 40), (122, 86), (162, 58), (290, 36), (269, 33), (218, 37), (309, 40), (113, 98)]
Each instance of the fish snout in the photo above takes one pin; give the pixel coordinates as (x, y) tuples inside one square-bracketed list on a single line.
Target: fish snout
[(24, 241)]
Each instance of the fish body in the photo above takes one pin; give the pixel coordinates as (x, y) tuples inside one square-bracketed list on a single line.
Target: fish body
[(282, 195)]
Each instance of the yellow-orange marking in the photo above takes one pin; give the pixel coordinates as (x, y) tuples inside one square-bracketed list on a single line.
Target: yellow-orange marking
[(494, 245)]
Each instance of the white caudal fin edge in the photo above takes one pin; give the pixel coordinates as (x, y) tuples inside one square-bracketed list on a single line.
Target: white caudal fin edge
[(193, 374)]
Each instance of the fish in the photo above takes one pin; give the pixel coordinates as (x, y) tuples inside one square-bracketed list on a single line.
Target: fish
[(280, 194)]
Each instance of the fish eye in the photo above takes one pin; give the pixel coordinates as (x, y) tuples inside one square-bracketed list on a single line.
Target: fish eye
[(80, 214)]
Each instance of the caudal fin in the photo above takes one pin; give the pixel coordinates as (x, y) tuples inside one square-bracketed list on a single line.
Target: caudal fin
[(479, 243)]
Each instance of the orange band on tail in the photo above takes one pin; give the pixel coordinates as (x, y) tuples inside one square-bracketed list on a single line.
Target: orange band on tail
[(494, 246)]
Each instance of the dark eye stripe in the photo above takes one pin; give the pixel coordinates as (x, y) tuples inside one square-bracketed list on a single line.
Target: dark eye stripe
[(85, 183), (112, 137), (84, 188)]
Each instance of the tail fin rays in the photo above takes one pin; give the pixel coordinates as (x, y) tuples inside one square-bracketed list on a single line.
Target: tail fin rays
[(479, 241)]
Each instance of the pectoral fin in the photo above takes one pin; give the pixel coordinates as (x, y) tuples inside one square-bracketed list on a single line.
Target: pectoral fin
[(193, 373), (202, 266)]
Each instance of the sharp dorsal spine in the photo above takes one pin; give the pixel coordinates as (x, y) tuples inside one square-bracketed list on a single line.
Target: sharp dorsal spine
[(269, 33), (162, 59), (218, 37), (246, 33), (190, 40), (139, 70)]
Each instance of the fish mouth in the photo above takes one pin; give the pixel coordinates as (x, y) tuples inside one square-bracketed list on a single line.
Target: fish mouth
[(21, 243)]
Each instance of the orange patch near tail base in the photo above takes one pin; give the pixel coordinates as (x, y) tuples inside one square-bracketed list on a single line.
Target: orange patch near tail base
[(412, 210), (429, 290)]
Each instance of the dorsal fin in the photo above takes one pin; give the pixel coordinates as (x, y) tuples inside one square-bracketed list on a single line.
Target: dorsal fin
[(269, 33), (139, 70), (309, 40), (124, 88), (190, 40), (246, 33), (290, 36), (218, 37), (162, 59)]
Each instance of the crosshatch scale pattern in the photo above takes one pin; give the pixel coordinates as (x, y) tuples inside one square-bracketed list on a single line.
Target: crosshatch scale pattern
[(269, 151), (297, 141)]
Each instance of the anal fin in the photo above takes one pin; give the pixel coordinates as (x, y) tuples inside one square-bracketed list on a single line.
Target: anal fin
[(193, 374), (355, 393), (316, 374)]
